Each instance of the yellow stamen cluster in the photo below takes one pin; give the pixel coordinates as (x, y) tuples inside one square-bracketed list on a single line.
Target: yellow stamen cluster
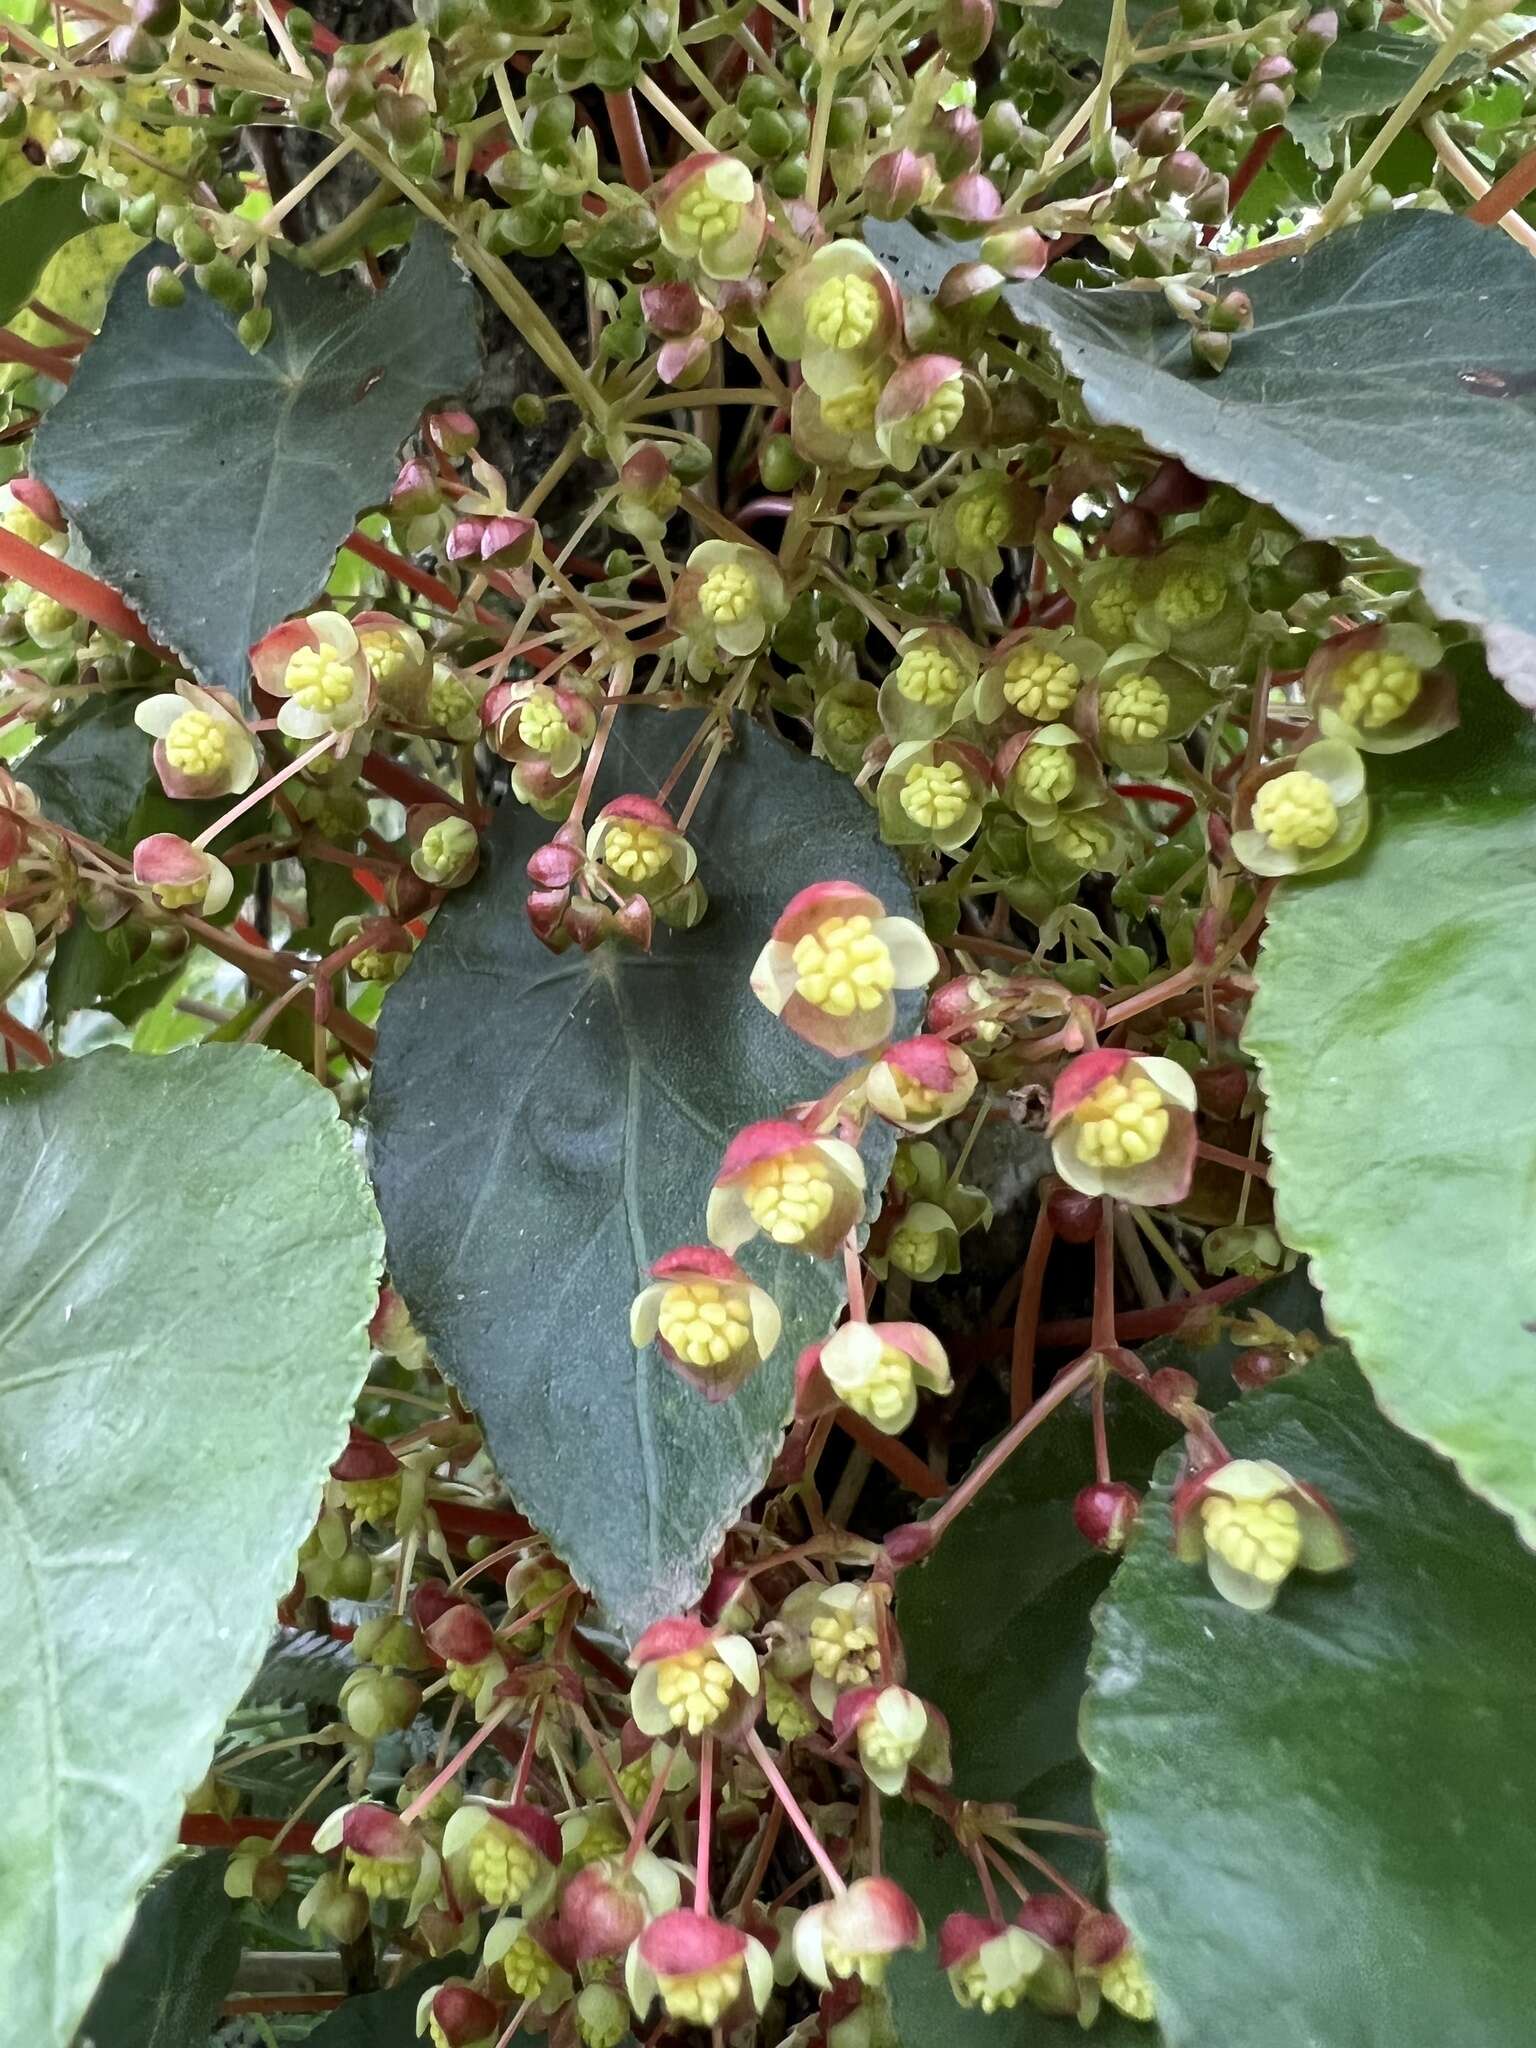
[(373, 1500), (1080, 840), (886, 1391), (1124, 1983), (913, 1251), (537, 1590), (981, 518), (705, 1322), (916, 1099), (1135, 709), (638, 853), (853, 412), (938, 419), (843, 1649), (788, 1715), (934, 794), (503, 1868), (527, 1967), (701, 1999), (25, 524), (1047, 774), (380, 1877), (386, 655), (180, 895), (702, 216), (842, 313), (841, 967), (927, 677), (1260, 1538), (468, 1678), (319, 679), (197, 744), (788, 1197), (727, 594), (973, 1988), (1296, 809), (448, 700), (1040, 684), (844, 1962), (1376, 688), (446, 847), (1114, 606), (1122, 1123), (1191, 596), (695, 1689), (603, 1836), (635, 1780), (882, 1750), (541, 724), (435, 2033), (45, 618)]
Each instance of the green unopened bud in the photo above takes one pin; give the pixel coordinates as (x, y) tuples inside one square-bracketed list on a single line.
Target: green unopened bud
[(376, 1703), (254, 328)]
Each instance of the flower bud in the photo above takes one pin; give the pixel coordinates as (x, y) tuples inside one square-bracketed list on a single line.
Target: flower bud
[(899, 181), (1104, 1513)]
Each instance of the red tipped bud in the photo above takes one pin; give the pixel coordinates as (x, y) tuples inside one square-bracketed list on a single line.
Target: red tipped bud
[(1104, 1513)]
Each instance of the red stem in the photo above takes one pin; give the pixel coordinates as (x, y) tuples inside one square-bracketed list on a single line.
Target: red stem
[(1065, 1384), (212, 1831), (797, 1819), (1026, 1321), (84, 594), (629, 139), (16, 1034), (1258, 156), (1157, 793), (1238, 1161), (888, 1451), (48, 361), (706, 1825), (1102, 1330)]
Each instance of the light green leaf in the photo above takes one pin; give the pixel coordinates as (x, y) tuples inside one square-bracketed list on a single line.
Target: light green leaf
[(1366, 72), (1319, 1818), (1003, 1654), (191, 1262), (165, 1989), (544, 1127), (34, 225), (261, 462), (1386, 389), (1393, 1027)]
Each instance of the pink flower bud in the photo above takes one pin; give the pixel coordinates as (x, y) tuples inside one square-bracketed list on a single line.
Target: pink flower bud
[(454, 433), (1104, 1513), (899, 181)]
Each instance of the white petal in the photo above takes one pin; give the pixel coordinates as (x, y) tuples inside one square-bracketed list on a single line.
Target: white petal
[(334, 630), (740, 1659), (645, 1707), (911, 951), (639, 1980), (808, 1947), (300, 724), (158, 714), (728, 1222), (759, 1972), (844, 1159), (1249, 1479), (773, 976), (1257, 855), (463, 1827), (221, 886), (1175, 1083), (1074, 1170), (328, 1834), (645, 1315), (1240, 1589), (766, 1320), (659, 1881)]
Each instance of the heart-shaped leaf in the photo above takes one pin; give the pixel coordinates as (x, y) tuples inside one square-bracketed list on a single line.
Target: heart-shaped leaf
[(213, 487), (1393, 1027), (191, 1263), (34, 223), (1326, 408), (1319, 1818), (544, 1127)]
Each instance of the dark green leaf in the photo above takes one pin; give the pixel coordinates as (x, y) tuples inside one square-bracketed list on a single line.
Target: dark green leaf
[(191, 1263), (301, 1665), (1319, 1818), (386, 2019), (1003, 1653), (543, 1128), (1393, 1029), (1386, 389), (38, 221), (1366, 72), (260, 463), (165, 1989)]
